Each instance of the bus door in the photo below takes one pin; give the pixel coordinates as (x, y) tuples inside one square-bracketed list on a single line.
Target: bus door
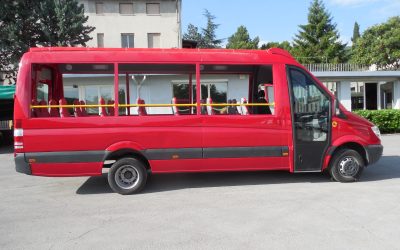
[(311, 117)]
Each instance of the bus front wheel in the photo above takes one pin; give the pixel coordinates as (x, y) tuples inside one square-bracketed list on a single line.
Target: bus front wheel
[(127, 176), (346, 165)]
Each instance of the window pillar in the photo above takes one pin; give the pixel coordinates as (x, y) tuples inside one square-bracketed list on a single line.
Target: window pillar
[(379, 95)]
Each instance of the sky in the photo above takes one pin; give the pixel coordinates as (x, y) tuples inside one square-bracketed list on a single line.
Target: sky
[(274, 20)]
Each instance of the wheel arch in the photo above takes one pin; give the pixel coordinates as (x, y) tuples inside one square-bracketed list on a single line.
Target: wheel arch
[(126, 152), (359, 148)]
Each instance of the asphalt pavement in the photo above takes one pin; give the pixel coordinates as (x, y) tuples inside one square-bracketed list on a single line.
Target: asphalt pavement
[(250, 210)]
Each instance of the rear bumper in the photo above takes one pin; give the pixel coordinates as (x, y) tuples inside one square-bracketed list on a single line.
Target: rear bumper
[(21, 166), (374, 153)]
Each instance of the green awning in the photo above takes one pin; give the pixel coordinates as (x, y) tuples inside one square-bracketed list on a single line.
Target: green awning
[(7, 92)]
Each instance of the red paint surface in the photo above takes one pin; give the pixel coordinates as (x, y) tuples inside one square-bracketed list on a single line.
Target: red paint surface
[(67, 169)]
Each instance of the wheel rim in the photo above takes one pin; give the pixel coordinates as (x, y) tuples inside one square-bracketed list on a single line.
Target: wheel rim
[(127, 177), (349, 166)]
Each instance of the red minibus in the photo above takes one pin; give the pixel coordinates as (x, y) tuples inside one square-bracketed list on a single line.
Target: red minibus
[(135, 112)]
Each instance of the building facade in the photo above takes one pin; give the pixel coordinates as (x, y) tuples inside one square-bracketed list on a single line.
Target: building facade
[(360, 87), (134, 24)]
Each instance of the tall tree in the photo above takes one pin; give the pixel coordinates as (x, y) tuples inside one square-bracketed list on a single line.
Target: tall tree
[(356, 33), (62, 23), (318, 41), (18, 29), (193, 34), (241, 40), (209, 36), (379, 45), (29, 23)]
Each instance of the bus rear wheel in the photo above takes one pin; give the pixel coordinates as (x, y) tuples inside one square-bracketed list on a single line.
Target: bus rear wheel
[(127, 176), (346, 166)]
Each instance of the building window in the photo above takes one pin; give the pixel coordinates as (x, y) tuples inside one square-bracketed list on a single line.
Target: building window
[(127, 40), (99, 8), (126, 8), (100, 40), (153, 40), (153, 9)]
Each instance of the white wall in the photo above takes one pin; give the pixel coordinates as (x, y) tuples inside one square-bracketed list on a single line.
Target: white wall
[(344, 94), (396, 95), (112, 24)]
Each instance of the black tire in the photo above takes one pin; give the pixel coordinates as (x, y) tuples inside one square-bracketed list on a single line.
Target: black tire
[(346, 166), (127, 176)]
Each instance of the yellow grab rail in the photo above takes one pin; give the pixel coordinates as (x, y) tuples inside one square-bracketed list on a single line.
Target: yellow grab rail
[(150, 105), (237, 104)]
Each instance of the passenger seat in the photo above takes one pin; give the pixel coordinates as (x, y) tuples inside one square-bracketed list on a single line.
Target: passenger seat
[(63, 110), (245, 109), (83, 109), (111, 110), (77, 110), (54, 112), (43, 112), (102, 108), (232, 110), (141, 110)]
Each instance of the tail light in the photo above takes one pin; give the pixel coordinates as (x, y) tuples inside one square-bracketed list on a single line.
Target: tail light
[(18, 137)]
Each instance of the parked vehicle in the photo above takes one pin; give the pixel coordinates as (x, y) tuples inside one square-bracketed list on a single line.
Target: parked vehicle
[(6, 114), (135, 112)]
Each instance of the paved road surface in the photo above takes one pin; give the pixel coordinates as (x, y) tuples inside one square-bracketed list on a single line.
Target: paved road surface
[(259, 210)]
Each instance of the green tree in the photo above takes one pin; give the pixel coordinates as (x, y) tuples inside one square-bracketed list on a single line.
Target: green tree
[(18, 29), (356, 33), (241, 40), (29, 23), (318, 41), (283, 45), (207, 37), (193, 34), (62, 23), (380, 45), (208, 33)]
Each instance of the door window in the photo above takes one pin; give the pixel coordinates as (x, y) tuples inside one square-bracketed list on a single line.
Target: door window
[(310, 107)]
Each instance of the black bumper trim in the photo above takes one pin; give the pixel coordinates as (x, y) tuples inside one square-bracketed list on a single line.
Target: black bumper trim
[(374, 153), (21, 166), (209, 153), (245, 152), (66, 156), (177, 153)]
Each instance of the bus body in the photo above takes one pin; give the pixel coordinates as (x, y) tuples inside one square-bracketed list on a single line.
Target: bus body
[(140, 111)]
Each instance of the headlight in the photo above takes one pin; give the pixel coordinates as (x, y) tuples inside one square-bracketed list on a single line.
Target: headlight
[(375, 129)]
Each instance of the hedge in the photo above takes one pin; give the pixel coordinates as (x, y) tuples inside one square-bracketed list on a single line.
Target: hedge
[(387, 120)]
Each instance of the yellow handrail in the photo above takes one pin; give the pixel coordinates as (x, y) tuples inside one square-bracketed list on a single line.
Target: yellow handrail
[(72, 106), (158, 105), (237, 104), (151, 105)]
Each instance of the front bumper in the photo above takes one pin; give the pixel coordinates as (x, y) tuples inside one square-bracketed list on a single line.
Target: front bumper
[(21, 166), (374, 153)]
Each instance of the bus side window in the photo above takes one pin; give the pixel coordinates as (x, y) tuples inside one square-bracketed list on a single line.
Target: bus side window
[(89, 87), (42, 90)]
